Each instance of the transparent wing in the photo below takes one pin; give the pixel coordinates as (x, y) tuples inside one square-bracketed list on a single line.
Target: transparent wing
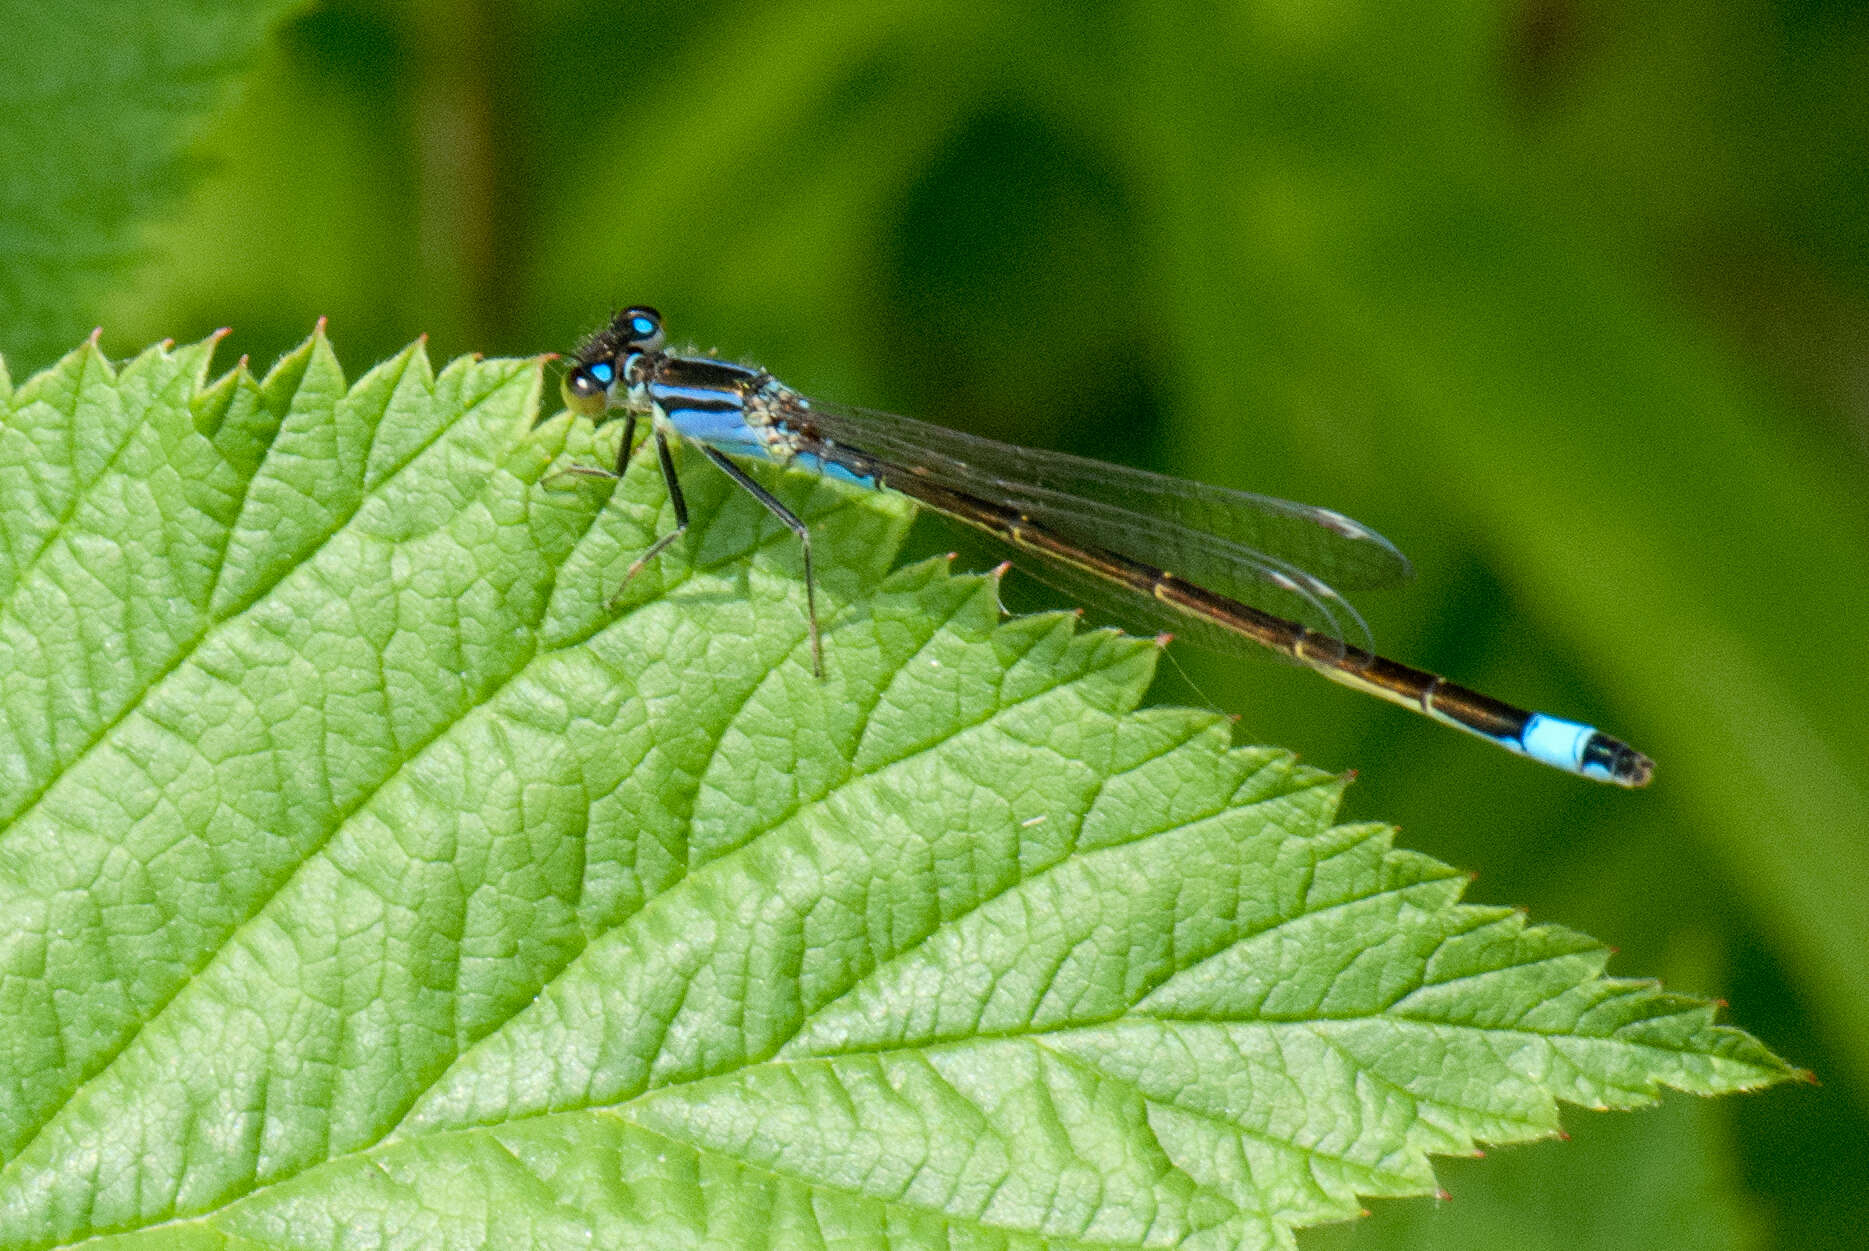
[(1146, 613), (1282, 557), (1326, 544)]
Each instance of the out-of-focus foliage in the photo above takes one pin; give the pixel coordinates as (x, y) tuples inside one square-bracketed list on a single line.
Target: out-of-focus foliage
[(1568, 297), (98, 99)]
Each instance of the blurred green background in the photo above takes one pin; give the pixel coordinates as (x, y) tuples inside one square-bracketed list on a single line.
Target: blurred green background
[(1568, 297)]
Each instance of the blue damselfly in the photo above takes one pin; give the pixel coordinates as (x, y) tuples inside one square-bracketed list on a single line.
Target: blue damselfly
[(1248, 571)]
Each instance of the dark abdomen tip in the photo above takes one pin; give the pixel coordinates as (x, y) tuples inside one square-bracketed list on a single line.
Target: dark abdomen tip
[(1615, 761)]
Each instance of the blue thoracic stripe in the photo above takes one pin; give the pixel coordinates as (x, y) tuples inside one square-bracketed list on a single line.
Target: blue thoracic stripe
[(714, 412), (709, 414)]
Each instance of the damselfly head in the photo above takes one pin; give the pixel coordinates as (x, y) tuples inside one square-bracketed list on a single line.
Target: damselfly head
[(589, 387), (586, 387)]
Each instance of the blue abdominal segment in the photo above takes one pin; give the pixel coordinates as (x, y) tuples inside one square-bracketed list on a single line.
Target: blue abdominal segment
[(1557, 742), (831, 469)]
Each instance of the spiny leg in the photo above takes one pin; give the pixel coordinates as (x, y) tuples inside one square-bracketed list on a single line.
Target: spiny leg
[(676, 499), (598, 471), (629, 442), (798, 528)]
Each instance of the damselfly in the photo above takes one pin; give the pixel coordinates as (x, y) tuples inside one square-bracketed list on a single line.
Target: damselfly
[(1249, 571)]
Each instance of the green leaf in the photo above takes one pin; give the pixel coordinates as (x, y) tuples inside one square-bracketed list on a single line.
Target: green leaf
[(366, 881)]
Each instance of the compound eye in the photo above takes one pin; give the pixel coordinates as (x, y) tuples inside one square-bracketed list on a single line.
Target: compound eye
[(587, 387), (643, 325)]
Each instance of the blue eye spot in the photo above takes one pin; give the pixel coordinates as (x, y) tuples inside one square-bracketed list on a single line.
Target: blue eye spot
[(603, 371), (643, 327)]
